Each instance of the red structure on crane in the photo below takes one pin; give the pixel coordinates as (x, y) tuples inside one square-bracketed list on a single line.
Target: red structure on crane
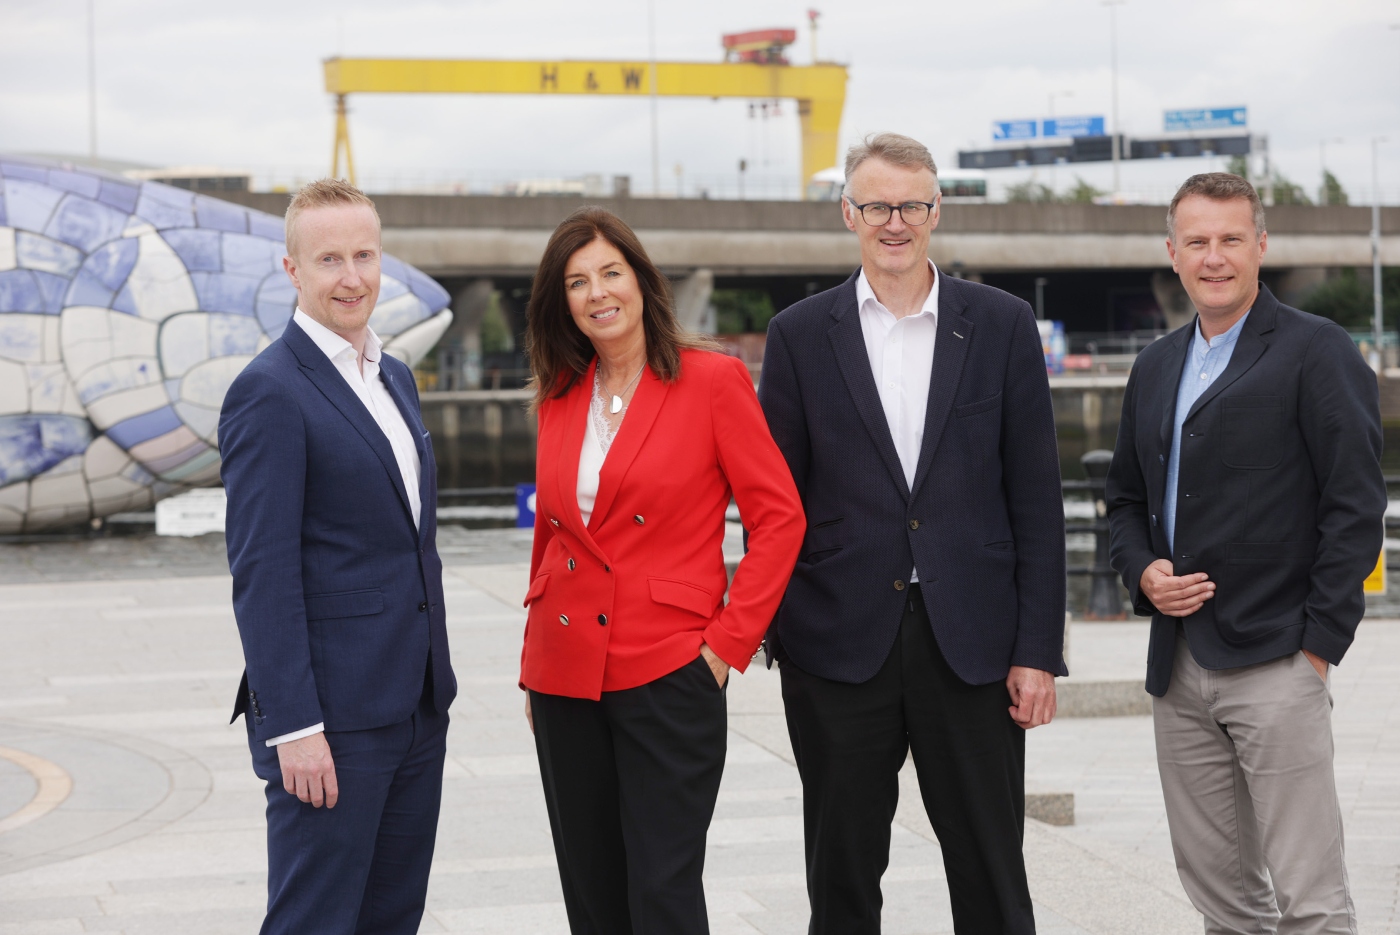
[(759, 46)]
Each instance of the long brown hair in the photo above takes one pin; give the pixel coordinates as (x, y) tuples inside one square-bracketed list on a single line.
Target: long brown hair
[(559, 352)]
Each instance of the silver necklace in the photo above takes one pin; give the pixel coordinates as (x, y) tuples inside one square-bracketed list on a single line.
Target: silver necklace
[(616, 405)]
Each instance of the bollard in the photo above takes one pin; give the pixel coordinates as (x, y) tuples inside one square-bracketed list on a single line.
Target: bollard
[(1105, 601)]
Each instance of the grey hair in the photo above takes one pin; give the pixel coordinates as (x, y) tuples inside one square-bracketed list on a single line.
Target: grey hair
[(1217, 186), (894, 148)]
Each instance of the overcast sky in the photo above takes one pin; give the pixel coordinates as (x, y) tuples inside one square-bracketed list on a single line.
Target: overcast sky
[(239, 84)]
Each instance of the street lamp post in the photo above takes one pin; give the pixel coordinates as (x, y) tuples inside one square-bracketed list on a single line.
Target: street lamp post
[(1377, 324), (1322, 194), (1113, 6), (655, 137), (92, 79)]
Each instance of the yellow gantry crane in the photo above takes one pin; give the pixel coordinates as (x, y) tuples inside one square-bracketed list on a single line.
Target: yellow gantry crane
[(819, 90)]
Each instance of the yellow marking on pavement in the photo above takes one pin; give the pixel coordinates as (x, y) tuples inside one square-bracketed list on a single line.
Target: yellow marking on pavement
[(54, 783)]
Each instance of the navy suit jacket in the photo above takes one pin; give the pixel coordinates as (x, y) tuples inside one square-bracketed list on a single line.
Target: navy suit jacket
[(1280, 496), (983, 522), (338, 597)]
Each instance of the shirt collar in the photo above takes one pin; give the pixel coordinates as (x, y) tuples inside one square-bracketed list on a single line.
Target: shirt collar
[(1220, 340), (332, 344), (866, 294)]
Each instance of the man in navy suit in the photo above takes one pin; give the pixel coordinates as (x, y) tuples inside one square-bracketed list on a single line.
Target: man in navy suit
[(337, 588), (926, 611)]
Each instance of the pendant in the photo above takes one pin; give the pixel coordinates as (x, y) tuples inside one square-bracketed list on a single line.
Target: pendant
[(616, 406)]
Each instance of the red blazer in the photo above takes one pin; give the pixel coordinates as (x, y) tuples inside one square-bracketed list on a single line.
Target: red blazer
[(630, 597)]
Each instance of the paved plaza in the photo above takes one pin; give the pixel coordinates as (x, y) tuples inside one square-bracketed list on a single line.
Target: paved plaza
[(127, 802)]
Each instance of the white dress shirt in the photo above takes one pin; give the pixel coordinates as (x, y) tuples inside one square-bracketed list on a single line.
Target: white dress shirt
[(364, 380), (901, 359)]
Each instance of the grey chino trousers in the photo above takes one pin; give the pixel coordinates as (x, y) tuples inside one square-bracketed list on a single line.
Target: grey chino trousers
[(1245, 757)]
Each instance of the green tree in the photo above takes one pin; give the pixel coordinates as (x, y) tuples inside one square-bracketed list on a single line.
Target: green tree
[(1030, 191), (1238, 165), (1287, 192), (496, 336), (1332, 191), (1082, 193), (1348, 299), (742, 311)]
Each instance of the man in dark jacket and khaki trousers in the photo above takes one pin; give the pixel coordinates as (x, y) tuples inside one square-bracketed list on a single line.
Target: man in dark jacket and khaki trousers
[(1246, 504)]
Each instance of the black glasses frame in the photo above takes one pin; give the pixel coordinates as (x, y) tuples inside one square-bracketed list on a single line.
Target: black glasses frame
[(930, 205)]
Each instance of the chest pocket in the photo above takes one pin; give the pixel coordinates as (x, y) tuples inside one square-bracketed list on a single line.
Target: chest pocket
[(1251, 431)]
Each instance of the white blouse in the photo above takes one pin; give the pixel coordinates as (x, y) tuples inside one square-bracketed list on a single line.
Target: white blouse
[(597, 439)]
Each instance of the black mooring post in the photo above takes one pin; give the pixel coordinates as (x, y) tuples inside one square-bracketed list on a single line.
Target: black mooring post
[(1105, 600)]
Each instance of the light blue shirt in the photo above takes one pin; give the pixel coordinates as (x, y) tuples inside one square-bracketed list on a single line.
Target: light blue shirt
[(1207, 361)]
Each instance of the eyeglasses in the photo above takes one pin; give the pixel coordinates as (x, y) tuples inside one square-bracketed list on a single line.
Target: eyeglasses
[(878, 214)]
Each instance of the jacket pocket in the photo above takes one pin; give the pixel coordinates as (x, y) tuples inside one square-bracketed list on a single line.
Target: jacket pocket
[(536, 589), (1251, 431), (681, 594), (360, 603), (981, 405), (1270, 553)]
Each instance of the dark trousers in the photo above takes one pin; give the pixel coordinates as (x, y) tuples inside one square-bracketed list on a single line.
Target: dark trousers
[(850, 742), (630, 782), (362, 866)]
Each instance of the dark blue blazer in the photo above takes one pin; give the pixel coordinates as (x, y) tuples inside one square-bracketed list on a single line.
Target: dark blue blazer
[(338, 598), (984, 521), (1280, 495)]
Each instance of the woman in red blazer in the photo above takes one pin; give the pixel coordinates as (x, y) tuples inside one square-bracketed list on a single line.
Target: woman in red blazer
[(644, 434)]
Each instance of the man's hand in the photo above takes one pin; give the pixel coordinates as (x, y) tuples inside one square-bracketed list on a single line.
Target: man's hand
[(1172, 595), (1318, 663), (1032, 696), (308, 771), (718, 666)]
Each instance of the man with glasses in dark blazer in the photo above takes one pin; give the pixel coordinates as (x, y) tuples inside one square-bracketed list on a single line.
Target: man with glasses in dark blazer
[(925, 614)]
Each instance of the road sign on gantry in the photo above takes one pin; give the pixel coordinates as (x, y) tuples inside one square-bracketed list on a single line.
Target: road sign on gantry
[(1015, 130), (1205, 118), (1053, 127)]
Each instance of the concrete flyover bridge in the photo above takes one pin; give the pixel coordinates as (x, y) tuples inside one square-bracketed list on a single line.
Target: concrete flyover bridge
[(1104, 268)]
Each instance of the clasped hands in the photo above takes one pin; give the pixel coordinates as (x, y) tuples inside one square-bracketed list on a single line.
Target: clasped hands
[(1183, 595)]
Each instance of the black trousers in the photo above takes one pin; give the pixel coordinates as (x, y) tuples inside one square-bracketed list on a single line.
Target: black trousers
[(850, 742), (361, 867), (630, 782)]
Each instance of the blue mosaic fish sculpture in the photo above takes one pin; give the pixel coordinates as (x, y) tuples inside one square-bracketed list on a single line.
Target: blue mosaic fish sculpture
[(126, 310)]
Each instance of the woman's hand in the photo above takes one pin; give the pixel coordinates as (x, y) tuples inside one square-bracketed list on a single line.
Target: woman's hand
[(529, 717), (718, 667)]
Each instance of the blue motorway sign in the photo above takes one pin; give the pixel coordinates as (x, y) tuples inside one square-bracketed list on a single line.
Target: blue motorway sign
[(1205, 118), (1015, 129), (1072, 126)]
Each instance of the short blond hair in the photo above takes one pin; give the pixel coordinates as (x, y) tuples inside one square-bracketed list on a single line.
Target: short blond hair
[(1217, 186), (323, 193), (894, 148)]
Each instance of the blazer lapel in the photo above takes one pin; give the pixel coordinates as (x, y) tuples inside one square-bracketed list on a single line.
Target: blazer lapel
[(1249, 346), (636, 425), (322, 373), (1176, 362), (848, 343), (566, 457), (400, 395), (949, 353)]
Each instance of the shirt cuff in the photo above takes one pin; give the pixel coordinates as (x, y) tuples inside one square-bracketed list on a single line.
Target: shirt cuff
[(297, 734)]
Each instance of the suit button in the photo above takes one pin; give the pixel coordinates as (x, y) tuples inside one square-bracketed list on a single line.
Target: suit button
[(607, 569), (913, 524), (899, 585), (1161, 459), (639, 519), (564, 620), (554, 521), (571, 564), (602, 620), (422, 606)]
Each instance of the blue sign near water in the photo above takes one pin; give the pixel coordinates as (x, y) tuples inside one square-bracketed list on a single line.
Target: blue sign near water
[(1205, 118), (1072, 126), (1015, 129)]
